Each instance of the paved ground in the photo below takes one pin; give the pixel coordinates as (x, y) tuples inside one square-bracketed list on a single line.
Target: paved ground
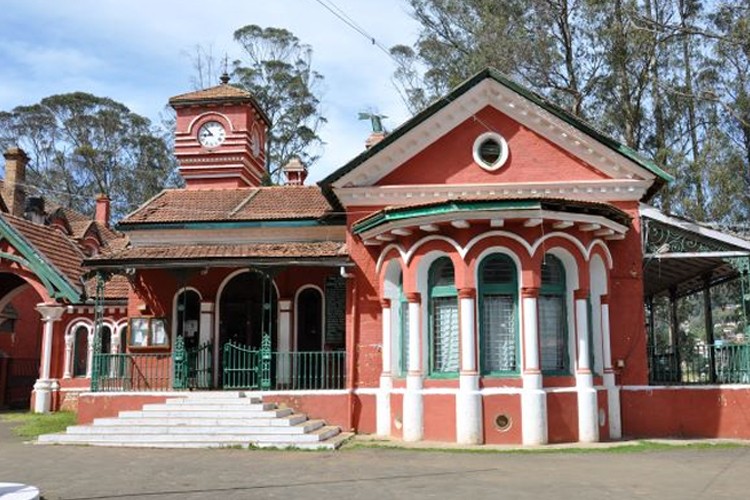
[(371, 473)]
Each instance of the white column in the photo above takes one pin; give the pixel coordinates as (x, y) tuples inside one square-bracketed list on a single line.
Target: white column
[(533, 397), (413, 412), (67, 368), (468, 399), (90, 352), (383, 403), (206, 327), (613, 392), (588, 425), (44, 386), (284, 341)]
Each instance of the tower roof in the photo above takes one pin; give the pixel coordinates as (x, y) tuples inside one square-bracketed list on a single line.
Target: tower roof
[(220, 94)]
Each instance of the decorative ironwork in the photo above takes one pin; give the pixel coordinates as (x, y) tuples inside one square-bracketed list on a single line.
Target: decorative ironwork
[(180, 364), (661, 238), (98, 362), (265, 362), (721, 363)]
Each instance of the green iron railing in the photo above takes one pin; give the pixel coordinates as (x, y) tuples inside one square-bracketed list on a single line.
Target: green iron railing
[(719, 363), (193, 367), (246, 368), (131, 372)]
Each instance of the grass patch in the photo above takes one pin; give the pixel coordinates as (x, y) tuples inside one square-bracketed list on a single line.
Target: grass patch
[(632, 447), (32, 425)]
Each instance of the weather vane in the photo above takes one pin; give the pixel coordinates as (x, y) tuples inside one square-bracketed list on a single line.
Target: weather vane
[(225, 76), (375, 119)]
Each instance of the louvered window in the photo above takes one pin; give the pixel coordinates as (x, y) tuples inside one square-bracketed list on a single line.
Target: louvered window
[(553, 327), (498, 322), (444, 319)]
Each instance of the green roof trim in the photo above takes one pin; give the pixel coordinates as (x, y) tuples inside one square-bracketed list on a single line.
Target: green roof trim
[(491, 73), (56, 284), (468, 206)]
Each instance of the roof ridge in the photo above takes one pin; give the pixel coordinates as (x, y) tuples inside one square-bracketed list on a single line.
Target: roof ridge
[(244, 202)]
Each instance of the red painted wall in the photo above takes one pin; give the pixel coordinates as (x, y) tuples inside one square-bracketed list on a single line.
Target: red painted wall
[(562, 417), (502, 404), (102, 406), (686, 413)]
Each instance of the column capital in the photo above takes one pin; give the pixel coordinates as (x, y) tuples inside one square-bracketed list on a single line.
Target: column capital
[(604, 299), (467, 293), (529, 292), (385, 303), (50, 312), (581, 294), (414, 297), (285, 305)]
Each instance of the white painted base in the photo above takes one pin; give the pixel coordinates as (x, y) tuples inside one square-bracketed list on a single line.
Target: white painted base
[(469, 411), (42, 396), (533, 411), (588, 421), (413, 412), (383, 402), (615, 417)]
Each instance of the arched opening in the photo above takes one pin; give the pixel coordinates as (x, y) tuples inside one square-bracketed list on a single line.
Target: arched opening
[(498, 315), (247, 310), (187, 313), (310, 320), (443, 318), (20, 340), (553, 323), (80, 350)]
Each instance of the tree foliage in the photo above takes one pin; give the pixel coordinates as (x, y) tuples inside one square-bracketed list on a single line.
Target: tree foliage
[(277, 70), (669, 78), (81, 145)]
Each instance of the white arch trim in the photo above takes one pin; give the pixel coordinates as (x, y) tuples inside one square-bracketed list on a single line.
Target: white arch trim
[(322, 313), (605, 249), (384, 253), (433, 237), (489, 234), (202, 116), (174, 305)]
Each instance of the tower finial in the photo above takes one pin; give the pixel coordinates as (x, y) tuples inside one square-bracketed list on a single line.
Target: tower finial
[(225, 76)]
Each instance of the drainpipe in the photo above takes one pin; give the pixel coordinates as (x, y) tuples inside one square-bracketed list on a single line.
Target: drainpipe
[(351, 338)]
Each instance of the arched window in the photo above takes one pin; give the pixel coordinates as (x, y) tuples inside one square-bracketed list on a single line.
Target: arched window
[(498, 326), (187, 317), (106, 333), (403, 322), (553, 329), (443, 318), (310, 320), (80, 350)]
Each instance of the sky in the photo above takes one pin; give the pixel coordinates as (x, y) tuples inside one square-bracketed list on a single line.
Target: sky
[(138, 52)]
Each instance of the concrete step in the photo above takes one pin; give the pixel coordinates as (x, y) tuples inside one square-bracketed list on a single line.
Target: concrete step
[(316, 435), (197, 406), (207, 413), (292, 419), (213, 401), (122, 429)]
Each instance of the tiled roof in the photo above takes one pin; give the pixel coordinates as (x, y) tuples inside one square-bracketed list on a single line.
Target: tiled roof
[(116, 287), (296, 250), (241, 204), (219, 92), (52, 245)]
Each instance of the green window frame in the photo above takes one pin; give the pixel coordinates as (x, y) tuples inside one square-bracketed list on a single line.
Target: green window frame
[(553, 318), (499, 340), (444, 326), (403, 322)]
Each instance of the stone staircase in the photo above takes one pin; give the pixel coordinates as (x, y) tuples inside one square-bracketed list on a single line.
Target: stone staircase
[(206, 420)]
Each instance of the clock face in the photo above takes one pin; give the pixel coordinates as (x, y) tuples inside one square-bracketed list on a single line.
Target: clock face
[(211, 134)]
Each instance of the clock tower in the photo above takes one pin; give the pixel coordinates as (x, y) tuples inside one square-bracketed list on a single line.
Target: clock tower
[(220, 137)]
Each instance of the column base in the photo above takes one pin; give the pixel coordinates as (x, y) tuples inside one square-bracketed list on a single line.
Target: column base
[(43, 396), (613, 406), (588, 415), (469, 411), (383, 402), (413, 412)]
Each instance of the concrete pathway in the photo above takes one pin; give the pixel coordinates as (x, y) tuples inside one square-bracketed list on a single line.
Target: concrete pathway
[(80, 473)]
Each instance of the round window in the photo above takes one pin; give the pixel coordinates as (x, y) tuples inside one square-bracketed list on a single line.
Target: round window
[(502, 422), (490, 151)]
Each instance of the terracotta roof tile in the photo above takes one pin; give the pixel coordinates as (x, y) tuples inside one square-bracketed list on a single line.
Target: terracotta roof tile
[(319, 249), (53, 245), (116, 287), (241, 204), (223, 92)]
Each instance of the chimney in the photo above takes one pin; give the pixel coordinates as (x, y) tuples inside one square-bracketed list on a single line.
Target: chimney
[(374, 138), (33, 210), (101, 213), (15, 178), (295, 171)]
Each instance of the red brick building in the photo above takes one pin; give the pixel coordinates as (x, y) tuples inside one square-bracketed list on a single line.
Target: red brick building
[(478, 275)]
